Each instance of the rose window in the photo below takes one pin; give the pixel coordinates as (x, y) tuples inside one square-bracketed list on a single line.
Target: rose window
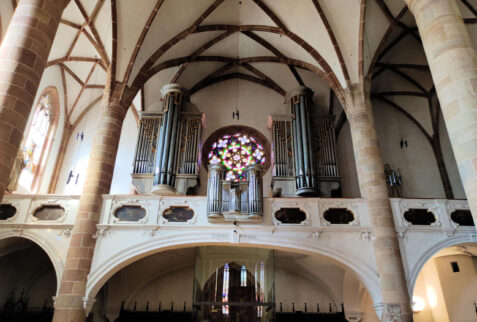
[(236, 152)]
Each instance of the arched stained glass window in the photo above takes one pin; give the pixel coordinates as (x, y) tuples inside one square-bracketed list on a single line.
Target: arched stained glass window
[(243, 276), (225, 289), (236, 152), (37, 141)]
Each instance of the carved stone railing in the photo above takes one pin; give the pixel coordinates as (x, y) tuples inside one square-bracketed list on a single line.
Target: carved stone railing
[(49, 211), (313, 215), (439, 212), (39, 211)]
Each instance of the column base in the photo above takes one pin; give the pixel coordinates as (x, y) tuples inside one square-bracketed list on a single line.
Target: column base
[(163, 190), (306, 192), (69, 308)]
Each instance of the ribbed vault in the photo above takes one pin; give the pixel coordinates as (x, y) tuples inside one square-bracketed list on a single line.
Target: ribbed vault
[(203, 42)]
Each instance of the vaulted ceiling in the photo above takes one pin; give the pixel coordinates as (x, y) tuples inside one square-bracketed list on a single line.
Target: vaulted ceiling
[(198, 43)]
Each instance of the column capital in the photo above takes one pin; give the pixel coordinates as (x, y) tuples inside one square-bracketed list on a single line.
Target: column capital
[(174, 88), (302, 90), (357, 98)]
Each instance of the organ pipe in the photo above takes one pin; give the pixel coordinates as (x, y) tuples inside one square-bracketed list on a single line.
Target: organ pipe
[(303, 142)]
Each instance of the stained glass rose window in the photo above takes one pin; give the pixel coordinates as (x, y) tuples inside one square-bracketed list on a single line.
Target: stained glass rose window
[(236, 152)]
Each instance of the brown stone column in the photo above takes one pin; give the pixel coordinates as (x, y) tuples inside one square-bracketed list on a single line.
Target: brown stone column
[(453, 65), (69, 302), (373, 188), (23, 57)]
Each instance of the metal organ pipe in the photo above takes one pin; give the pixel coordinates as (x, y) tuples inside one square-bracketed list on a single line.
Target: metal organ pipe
[(167, 137), (173, 148), (303, 147), (214, 190)]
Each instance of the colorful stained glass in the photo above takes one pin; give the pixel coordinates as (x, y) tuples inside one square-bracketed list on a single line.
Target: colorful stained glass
[(35, 141), (236, 152), (225, 289), (243, 276)]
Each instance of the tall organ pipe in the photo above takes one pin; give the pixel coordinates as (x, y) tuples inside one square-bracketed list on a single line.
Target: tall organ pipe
[(168, 140), (303, 147)]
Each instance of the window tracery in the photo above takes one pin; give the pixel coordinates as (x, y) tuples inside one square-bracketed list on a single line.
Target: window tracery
[(36, 143), (236, 152)]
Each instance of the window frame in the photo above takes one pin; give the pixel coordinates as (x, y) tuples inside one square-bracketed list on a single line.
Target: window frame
[(49, 137)]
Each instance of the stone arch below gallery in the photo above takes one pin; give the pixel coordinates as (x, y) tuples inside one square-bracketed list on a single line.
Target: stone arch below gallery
[(173, 279), (28, 279)]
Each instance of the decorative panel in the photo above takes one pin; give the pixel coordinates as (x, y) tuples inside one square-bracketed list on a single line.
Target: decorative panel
[(338, 216), (49, 212), (420, 216), (178, 214), (7, 211), (290, 215), (463, 217), (130, 213)]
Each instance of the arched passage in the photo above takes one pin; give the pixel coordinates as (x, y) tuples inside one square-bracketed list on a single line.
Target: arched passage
[(446, 284), (112, 263), (28, 279), (165, 278)]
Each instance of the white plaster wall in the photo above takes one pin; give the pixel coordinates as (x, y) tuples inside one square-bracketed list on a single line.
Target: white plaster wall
[(176, 286), (459, 289), (417, 164), (255, 104), (6, 12), (448, 296), (77, 154), (121, 183), (291, 287)]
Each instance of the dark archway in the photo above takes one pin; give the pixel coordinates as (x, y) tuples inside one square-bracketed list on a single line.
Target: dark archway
[(28, 280)]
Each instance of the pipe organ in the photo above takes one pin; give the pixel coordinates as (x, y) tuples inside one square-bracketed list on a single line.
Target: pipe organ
[(235, 200), (167, 150), (304, 150)]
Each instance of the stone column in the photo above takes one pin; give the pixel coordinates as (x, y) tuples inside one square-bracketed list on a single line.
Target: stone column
[(69, 306), (23, 57), (303, 141), (372, 184), (453, 65), (168, 140)]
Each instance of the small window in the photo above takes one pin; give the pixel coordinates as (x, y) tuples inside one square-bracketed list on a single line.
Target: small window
[(455, 267)]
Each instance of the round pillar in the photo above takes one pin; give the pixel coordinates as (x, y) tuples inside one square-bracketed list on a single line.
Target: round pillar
[(372, 184), (69, 304), (23, 57), (453, 64)]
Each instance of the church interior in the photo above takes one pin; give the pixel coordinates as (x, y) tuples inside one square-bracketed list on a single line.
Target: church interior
[(238, 160)]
